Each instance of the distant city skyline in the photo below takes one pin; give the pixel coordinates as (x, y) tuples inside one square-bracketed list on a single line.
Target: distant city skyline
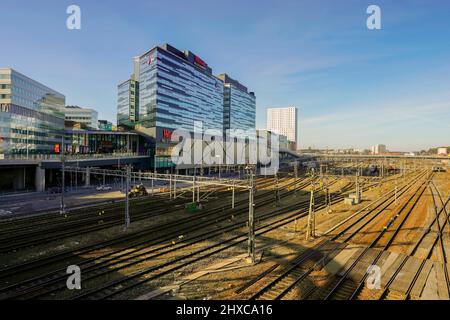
[(353, 87)]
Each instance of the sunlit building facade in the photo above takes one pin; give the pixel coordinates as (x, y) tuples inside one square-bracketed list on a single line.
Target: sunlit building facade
[(31, 115), (84, 116), (284, 121), (128, 103), (176, 88)]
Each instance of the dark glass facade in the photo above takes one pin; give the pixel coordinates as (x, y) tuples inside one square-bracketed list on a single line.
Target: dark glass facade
[(99, 142)]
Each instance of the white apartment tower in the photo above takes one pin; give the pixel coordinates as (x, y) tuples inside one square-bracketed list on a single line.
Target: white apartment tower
[(283, 121), (379, 149)]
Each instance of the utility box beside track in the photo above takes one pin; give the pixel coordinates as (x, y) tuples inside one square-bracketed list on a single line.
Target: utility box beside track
[(193, 207)]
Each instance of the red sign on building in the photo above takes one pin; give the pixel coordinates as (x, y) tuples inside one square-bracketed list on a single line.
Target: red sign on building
[(56, 148), (200, 62), (167, 134)]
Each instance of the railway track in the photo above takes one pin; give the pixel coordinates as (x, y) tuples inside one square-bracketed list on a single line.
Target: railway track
[(170, 230), (283, 279), (436, 236), (51, 217), (343, 287), (11, 271), (81, 225), (275, 220), (49, 283)]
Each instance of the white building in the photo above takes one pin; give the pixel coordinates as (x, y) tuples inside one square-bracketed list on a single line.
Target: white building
[(379, 149), (283, 121), (442, 151), (86, 116)]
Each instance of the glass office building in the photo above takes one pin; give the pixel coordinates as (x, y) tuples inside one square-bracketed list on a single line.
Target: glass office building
[(175, 89), (128, 104), (31, 115), (84, 116), (105, 125), (101, 142), (239, 105)]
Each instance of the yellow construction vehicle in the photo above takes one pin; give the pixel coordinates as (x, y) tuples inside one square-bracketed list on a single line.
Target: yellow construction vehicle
[(138, 191)]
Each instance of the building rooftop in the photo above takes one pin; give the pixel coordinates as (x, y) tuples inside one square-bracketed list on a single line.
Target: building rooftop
[(13, 71), (80, 108), (228, 80), (186, 55)]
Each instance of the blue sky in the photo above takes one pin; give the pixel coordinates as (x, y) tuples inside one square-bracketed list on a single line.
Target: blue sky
[(354, 87)]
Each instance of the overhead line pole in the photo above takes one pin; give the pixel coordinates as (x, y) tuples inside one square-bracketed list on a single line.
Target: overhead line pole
[(127, 201), (63, 186), (251, 218), (193, 189), (310, 232)]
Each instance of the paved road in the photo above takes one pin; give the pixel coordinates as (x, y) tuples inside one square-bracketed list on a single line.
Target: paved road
[(36, 202)]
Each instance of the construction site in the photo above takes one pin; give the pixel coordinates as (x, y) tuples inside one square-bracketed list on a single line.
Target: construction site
[(328, 229)]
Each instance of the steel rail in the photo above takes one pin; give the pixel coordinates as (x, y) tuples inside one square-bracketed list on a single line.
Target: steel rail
[(15, 244), (335, 237), (343, 278), (8, 271), (167, 237)]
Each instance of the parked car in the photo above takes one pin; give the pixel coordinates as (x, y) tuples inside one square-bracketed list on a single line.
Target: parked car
[(104, 188)]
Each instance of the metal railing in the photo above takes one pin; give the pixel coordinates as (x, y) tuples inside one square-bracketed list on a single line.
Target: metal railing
[(199, 180), (70, 157)]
